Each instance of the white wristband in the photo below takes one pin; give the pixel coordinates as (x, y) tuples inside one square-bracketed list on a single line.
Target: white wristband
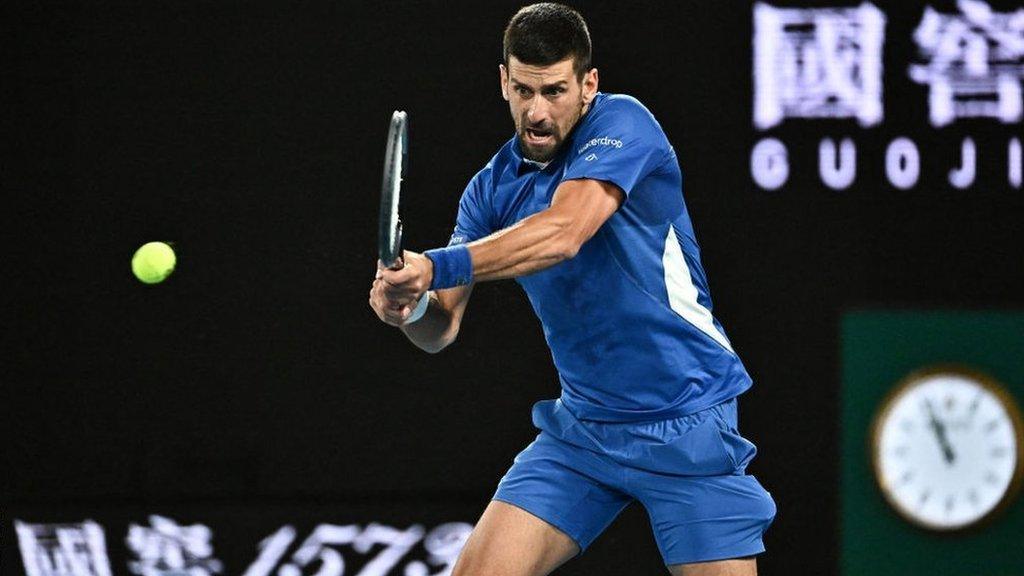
[(420, 310)]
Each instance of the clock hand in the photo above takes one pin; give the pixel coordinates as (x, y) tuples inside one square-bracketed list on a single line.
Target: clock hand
[(940, 433)]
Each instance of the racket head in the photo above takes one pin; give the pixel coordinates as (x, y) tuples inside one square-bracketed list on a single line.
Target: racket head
[(389, 241)]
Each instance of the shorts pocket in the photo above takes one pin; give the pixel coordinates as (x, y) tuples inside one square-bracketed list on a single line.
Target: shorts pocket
[(739, 450), (701, 450)]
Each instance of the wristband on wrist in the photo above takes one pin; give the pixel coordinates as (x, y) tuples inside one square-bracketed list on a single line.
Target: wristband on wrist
[(453, 266), (420, 310)]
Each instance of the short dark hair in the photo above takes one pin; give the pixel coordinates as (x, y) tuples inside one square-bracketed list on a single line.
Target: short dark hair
[(545, 33)]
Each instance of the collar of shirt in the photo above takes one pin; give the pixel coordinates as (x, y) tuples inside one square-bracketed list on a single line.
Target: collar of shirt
[(524, 164)]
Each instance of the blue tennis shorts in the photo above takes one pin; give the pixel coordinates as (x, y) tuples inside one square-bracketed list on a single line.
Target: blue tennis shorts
[(688, 472)]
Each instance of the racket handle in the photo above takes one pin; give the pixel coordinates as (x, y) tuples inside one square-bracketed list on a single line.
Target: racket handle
[(391, 256), (398, 264)]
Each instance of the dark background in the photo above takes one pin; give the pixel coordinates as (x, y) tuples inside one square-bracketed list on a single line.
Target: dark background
[(250, 135)]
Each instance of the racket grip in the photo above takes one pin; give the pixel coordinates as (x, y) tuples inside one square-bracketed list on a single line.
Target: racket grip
[(398, 239), (398, 263)]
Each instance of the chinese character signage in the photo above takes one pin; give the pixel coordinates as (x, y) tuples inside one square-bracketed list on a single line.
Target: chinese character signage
[(63, 549), (166, 547), (973, 63), (816, 63)]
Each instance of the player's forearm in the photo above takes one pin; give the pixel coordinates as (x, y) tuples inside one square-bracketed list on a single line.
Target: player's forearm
[(579, 207), (533, 244), (434, 331)]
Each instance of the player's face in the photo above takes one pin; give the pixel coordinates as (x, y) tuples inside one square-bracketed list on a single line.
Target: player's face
[(546, 102)]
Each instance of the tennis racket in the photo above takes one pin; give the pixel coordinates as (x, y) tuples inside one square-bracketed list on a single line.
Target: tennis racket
[(389, 240)]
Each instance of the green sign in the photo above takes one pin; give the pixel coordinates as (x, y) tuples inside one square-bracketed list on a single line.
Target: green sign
[(880, 349)]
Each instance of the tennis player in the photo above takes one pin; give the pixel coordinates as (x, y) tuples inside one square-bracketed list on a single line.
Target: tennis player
[(584, 208)]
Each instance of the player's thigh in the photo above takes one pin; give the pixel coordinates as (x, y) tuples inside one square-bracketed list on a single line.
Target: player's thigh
[(509, 541), (734, 567)]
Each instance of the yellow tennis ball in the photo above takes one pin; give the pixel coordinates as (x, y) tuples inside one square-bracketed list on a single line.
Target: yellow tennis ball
[(153, 262)]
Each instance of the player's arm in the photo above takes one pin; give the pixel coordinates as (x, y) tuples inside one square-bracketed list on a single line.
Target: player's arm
[(440, 324), (578, 209), (396, 304)]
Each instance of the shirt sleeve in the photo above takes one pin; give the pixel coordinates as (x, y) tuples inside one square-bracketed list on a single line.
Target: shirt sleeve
[(473, 220), (622, 144)]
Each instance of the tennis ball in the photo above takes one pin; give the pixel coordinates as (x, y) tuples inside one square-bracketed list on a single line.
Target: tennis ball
[(153, 262)]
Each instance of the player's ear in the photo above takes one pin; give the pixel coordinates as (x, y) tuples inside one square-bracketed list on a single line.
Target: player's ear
[(589, 86), (503, 80)]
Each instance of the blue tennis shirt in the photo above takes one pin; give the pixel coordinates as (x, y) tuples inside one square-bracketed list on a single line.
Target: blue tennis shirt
[(628, 320)]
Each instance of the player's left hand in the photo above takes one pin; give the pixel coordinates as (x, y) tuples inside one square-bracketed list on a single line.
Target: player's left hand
[(406, 285)]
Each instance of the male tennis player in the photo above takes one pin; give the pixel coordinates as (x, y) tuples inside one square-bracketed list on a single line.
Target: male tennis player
[(584, 207)]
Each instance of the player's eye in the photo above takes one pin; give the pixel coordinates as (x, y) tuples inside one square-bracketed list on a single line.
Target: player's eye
[(554, 91), (523, 91)]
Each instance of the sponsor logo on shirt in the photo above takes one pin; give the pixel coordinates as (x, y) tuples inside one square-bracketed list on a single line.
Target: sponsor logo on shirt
[(602, 141)]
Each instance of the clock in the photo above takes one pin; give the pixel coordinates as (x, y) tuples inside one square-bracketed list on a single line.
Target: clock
[(947, 448)]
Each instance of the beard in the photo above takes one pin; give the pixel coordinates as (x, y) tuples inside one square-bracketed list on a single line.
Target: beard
[(554, 136), (542, 153)]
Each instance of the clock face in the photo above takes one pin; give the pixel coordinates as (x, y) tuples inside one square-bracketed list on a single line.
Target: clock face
[(947, 449)]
